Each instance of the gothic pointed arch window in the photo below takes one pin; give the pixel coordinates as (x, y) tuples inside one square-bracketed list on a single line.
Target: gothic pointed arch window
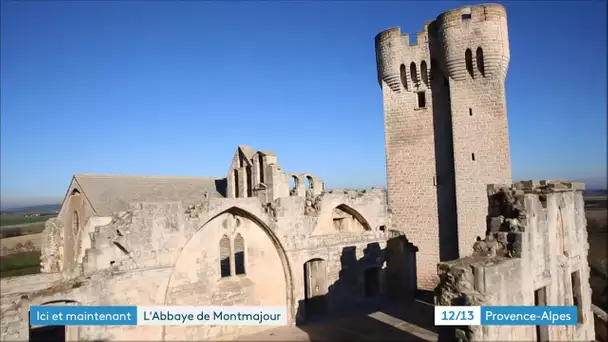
[(468, 58), (261, 167), (249, 176), (225, 256), (239, 254), (75, 223), (236, 183)]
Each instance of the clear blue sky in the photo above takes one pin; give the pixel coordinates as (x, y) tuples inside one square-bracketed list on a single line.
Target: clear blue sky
[(172, 88)]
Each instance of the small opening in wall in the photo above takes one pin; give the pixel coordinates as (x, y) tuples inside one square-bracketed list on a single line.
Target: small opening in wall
[(339, 224), (421, 99), (543, 200), (470, 111), (540, 299), (468, 58), (576, 295), (413, 39), (466, 16), (50, 333), (121, 247), (382, 228), (473, 156)]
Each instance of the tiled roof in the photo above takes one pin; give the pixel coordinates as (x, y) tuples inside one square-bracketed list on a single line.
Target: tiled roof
[(113, 193)]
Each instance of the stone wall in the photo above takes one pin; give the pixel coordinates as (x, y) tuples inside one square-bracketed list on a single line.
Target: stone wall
[(536, 241), (445, 128), (66, 237), (167, 254)]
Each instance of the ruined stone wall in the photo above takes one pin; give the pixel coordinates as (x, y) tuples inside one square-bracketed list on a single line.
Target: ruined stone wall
[(165, 254), (66, 236), (536, 239), (139, 287)]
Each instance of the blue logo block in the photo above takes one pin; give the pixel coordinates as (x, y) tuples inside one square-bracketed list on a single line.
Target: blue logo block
[(529, 315), (83, 315)]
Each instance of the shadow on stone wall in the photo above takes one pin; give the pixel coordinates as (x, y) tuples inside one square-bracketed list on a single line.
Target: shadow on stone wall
[(362, 289)]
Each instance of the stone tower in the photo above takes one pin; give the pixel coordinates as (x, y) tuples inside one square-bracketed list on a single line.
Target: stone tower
[(446, 131)]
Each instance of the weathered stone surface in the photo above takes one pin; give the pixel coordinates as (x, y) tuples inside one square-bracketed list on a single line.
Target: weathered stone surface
[(170, 253), (535, 240)]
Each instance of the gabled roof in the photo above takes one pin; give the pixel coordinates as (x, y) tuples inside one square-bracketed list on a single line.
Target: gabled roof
[(247, 151), (113, 193)]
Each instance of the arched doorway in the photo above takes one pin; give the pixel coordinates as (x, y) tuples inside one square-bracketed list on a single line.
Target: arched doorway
[(315, 288), (54, 333)]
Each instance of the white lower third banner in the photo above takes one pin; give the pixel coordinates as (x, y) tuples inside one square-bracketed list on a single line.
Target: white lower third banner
[(157, 315), (216, 315)]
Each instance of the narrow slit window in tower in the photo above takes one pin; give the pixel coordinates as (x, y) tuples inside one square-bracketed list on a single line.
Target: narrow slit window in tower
[(470, 111), (424, 73), (403, 72), (414, 73), (473, 156), (480, 63), (433, 73), (468, 58)]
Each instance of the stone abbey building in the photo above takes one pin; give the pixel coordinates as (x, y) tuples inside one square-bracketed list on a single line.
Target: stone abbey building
[(450, 221)]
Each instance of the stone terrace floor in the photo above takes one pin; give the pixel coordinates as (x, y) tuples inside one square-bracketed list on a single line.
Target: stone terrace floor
[(411, 321)]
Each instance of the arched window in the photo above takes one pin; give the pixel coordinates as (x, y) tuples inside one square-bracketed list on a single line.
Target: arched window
[(236, 183), (403, 76), (414, 73), (433, 75), (75, 223), (249, 181), (480, 63), (424, 73), (468, 57), (239, 255), (225, 256), (261, 166), (310, 184), (294, 182)]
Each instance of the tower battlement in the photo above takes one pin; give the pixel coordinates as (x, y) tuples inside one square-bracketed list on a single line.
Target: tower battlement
[(446, 130), (476, 13)]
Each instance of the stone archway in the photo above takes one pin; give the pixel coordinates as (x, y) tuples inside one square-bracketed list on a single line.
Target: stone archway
[(207, 272), (54, 333)]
